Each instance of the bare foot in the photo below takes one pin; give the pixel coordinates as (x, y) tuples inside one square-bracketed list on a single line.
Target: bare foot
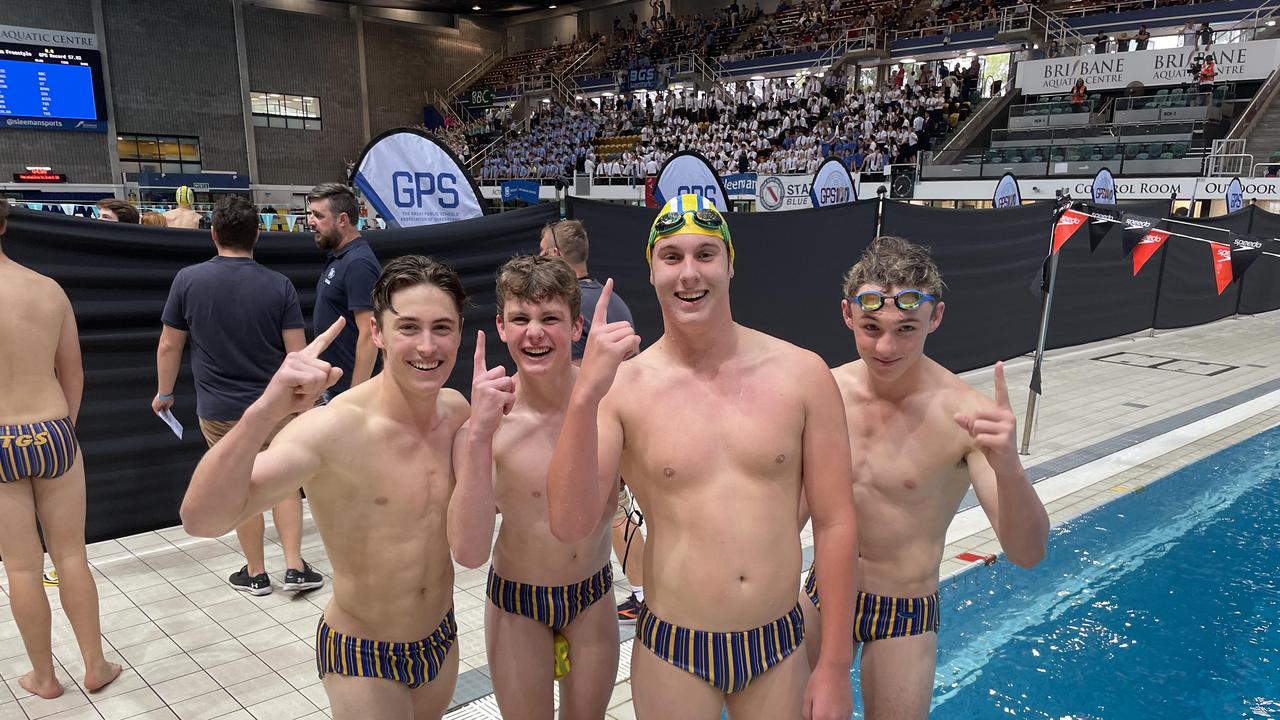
[(47, 689), (101, 676)]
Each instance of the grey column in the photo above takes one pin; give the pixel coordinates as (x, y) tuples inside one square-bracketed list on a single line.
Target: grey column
[(246, 105), (358, 15), (113, 150)]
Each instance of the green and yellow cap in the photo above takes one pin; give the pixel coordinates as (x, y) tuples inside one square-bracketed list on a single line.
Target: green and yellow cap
[(692, 214)]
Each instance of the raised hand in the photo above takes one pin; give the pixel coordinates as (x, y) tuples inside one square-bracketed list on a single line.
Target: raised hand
[(607, 346), (994, 429), (492, 393), (303, 376)]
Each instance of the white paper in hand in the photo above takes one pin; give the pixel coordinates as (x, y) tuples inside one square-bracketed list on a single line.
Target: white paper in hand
[(171, 421)]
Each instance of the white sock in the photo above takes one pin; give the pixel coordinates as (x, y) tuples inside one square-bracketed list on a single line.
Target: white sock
[(638, 592)]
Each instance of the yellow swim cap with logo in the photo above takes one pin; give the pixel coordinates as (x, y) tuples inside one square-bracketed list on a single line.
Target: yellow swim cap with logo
[(692, 214), (185, 196)]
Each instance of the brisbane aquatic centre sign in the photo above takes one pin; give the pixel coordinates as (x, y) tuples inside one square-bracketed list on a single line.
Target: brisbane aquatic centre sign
[(1170, 66)]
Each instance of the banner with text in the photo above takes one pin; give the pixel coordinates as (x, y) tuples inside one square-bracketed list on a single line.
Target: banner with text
[(1170, 66), (783, 192)]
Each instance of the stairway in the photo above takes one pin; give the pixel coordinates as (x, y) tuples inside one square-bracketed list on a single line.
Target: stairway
[(1264, 140)]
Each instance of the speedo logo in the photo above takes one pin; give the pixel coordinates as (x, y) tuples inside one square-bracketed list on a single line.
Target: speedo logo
[(1069, 220), (1248, 245), (1135, 224), (40, 438)]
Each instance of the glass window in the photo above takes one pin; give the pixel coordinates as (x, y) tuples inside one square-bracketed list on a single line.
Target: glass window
[(169, 149), (190, 150), (127, 146), (148, 148), (285, 111)]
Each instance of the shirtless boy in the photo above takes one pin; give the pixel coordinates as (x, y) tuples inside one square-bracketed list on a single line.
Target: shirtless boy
[(42, 472), (923, 437), (376, 464), (183, 216), (543, 593), (716, 428)]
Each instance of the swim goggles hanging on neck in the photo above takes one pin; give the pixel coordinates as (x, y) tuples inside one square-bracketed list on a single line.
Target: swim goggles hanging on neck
[(872, 300)]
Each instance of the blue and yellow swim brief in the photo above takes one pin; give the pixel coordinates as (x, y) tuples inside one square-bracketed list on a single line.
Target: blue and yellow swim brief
[(728, 661), (37, 450), (554, 607), (876, 617), (412, 663)]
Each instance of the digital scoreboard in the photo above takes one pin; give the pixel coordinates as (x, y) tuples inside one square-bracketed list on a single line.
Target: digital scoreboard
[(56, 88)]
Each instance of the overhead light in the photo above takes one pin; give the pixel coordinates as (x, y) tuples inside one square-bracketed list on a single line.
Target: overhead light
[(908, 61), (475, 7), (969, 54), (757, 77), (577, 97), (607, 94), (1035, 47), (551, 7), (546, 100), (1271, 23), (677, 86)]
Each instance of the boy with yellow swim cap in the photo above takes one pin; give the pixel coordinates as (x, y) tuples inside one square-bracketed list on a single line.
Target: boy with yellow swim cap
[(184, 216), (717, 428)]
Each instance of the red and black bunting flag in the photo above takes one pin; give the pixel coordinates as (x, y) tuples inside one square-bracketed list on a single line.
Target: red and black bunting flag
[(1068, 223), (1244, 250), (1221, 264), (1135, 227), (1148, 244), (1103, 220)]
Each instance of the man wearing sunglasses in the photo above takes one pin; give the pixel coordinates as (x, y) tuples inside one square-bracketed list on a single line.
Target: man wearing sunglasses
[(922, 437), (717, 428)]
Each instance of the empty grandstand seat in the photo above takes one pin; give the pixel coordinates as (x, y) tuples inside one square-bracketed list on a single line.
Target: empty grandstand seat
[(1073, 155), (1117, 152), (1166, 152), (1131, 151), (1036, 154), (995, 156), (1057, 154), (1179, 150), (1144, 152)]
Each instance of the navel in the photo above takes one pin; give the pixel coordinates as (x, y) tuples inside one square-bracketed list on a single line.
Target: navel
[(780, 459), (669, 471), (537, 493), (380, 501)]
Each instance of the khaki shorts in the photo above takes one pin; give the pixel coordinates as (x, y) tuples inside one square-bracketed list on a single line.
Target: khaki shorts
[(215, 430)]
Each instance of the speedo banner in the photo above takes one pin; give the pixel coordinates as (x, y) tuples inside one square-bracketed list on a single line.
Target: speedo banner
[(411, 180), (687, 172), (832, 184)]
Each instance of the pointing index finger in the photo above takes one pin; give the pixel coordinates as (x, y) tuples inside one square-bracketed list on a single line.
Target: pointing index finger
[(1002, 389), (323, 340), (601, 316), (479, 367)]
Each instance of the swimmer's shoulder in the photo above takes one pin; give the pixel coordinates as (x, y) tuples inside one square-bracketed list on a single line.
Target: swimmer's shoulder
[(778, 355), (851, 378), (453, 407)]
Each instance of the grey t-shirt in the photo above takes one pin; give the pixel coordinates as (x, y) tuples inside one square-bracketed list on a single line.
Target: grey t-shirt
[(617, 310), (235, 311)]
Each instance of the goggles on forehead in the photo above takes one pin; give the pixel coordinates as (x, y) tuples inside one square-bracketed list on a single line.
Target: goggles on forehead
[(689, 214), (872, 300)]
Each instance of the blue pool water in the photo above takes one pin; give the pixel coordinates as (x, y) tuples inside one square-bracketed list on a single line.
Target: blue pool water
[(1162, 604)]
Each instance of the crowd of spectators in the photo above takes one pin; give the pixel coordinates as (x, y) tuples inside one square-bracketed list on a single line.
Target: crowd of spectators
[(779, 125)]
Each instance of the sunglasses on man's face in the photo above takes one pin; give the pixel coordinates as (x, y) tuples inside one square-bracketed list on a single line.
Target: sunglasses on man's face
[(872, 300)]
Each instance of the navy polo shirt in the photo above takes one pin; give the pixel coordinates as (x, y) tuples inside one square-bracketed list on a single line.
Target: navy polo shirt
[(344, 288), (235, 311)]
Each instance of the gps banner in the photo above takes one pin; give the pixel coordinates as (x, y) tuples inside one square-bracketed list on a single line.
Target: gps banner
[(412, 180), (688, 172), (1170, 66), (783, 192), (832, 184)]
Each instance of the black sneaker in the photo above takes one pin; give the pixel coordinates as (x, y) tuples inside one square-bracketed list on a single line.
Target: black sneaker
[(629, 610), (304, 579), (252, 584)]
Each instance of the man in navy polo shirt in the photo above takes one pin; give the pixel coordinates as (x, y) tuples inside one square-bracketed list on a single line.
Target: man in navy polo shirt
[(345, 287), (241, 319)]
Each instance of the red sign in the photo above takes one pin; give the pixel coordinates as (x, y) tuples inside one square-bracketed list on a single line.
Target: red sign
[(39, 176), (650, 198)]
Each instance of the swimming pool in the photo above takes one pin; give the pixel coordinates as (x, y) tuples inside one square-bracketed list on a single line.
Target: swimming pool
[(1162, 604)]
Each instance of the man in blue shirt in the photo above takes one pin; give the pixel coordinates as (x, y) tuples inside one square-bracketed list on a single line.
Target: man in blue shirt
[(345, 287), (567, 240), (242, 318)]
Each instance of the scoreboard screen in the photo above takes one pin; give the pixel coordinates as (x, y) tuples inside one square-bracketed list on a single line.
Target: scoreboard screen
[(50, 86)]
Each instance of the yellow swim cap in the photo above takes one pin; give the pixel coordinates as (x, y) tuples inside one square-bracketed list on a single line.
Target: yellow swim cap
[(185, 196), (688, 214)]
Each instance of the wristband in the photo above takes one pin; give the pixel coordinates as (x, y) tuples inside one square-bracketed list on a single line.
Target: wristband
[(162, 396)]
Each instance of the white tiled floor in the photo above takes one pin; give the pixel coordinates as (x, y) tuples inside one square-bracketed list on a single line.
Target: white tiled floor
[(195, 649)]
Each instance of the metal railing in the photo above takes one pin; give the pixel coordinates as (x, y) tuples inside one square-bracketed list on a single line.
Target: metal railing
[(1254, 110), (475, 73), (1116, 132), (1228, 158), (582, 59), (1046, 162)]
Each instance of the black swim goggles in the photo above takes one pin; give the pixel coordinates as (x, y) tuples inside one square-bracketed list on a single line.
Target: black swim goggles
[(872, 300)]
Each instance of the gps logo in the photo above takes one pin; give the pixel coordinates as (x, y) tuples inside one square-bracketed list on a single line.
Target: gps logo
[(707, 191), (412, 189)]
